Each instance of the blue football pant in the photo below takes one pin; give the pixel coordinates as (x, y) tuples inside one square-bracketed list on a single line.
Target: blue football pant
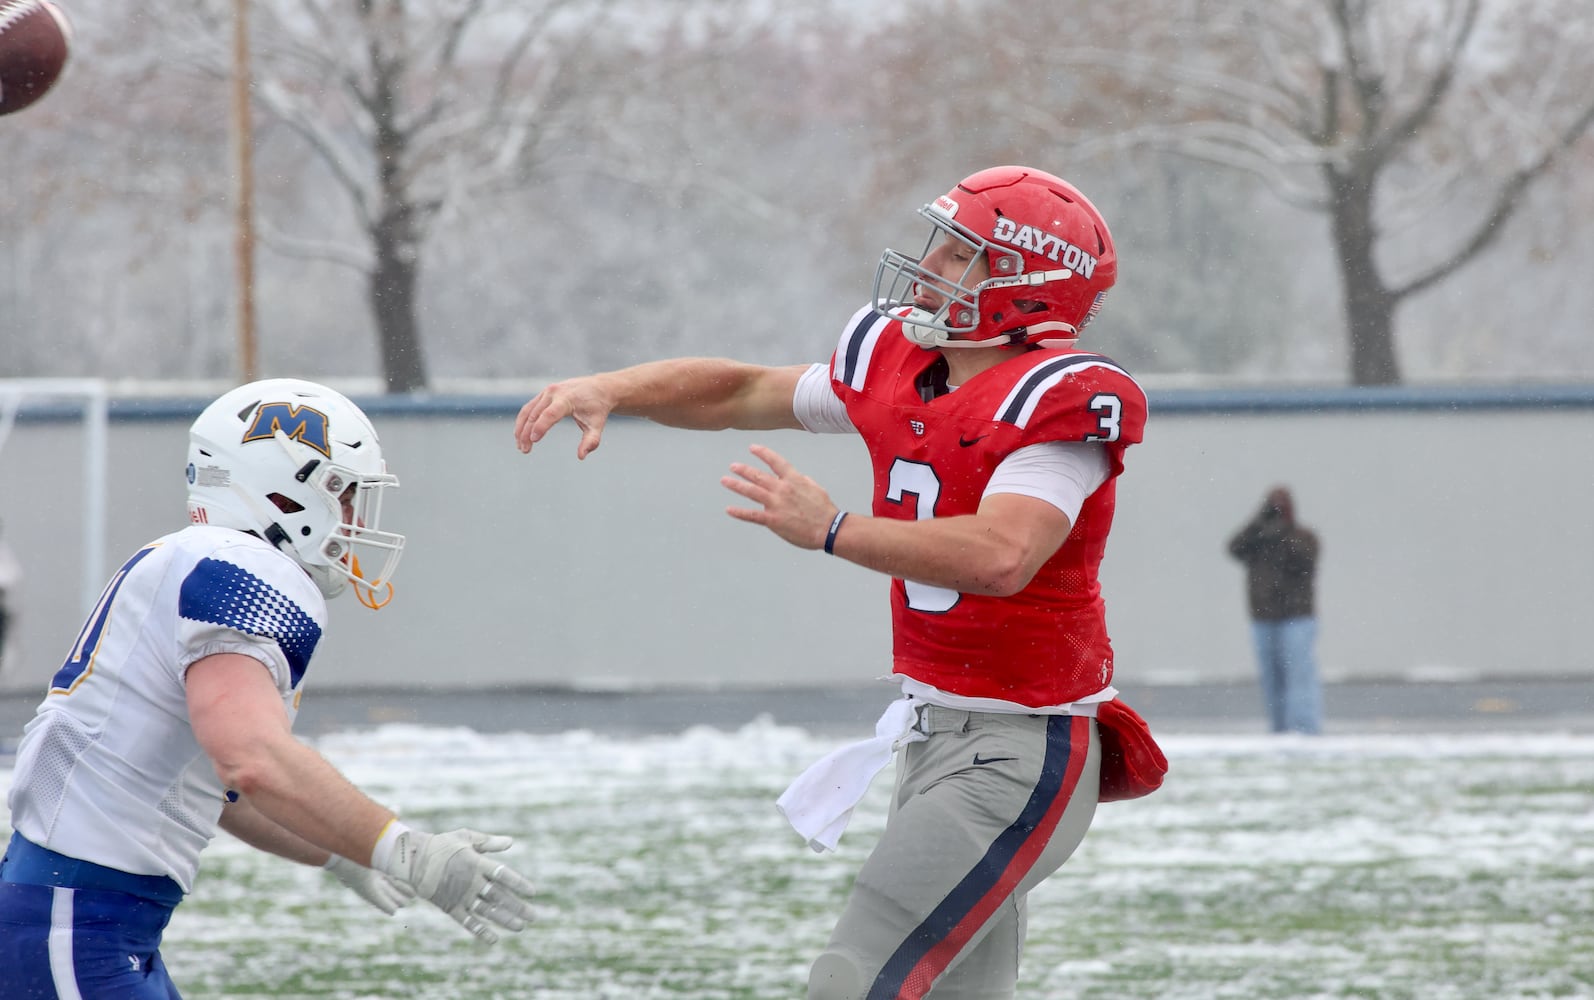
[(81, 944)]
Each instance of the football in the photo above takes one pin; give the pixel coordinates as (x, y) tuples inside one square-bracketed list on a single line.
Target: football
[(35, 39)]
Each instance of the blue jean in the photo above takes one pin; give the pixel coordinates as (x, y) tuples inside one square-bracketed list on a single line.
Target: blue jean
[(1287, 663)]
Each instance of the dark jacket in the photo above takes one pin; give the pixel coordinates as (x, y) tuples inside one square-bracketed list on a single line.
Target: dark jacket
[(1280, 560)]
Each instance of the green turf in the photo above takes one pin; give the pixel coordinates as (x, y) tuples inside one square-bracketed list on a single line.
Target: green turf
[(1428, 868)]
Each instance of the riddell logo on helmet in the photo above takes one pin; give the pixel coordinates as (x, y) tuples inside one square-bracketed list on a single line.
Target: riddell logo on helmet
[(1039, 241)]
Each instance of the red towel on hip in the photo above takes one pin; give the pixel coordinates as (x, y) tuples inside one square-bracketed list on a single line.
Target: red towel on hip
[(1132, 764)]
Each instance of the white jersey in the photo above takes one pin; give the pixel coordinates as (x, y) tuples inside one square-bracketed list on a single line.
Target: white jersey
[(109, 771)]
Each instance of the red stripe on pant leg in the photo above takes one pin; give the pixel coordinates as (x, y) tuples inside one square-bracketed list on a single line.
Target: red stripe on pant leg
[(935, 961)]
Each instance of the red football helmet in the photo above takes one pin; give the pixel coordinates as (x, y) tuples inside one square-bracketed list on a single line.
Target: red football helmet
[(1049, 254)]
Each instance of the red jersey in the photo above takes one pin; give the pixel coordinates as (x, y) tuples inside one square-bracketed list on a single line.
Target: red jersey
[(933, 454)]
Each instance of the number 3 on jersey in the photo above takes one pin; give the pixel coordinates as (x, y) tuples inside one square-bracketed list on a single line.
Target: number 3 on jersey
[(1109, 410), (919, 480)]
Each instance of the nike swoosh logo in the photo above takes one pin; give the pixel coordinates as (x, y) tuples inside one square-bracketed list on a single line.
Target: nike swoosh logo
[(970, 442), (978, 760)]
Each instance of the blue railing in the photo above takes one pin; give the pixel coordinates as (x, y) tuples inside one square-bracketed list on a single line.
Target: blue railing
[(1216, 401)]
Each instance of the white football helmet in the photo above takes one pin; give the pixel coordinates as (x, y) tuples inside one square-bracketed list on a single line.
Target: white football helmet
[(299, 465)]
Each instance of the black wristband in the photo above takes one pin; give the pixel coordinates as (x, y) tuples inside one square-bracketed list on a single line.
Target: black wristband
[(835, 526)]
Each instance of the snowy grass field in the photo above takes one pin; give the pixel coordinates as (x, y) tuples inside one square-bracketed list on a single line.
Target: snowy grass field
[(1432, 867)]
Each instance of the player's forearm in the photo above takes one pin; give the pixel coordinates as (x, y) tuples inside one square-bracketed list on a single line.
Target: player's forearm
[(248, 824), (969, 554), (704, 394), (295, 788)]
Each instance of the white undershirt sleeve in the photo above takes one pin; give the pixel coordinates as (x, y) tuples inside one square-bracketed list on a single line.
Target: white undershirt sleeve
[(1062, 473), (816, 404)]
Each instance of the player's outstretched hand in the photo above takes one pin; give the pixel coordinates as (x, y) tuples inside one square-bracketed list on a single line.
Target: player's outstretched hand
[(453, 872), (381, 891), (583, 400), (792, 505)]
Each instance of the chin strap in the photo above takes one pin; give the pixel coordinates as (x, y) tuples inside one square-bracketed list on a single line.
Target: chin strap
[(278, 539), (365, 592), (366, 595), (1000, 340), (929, 337)]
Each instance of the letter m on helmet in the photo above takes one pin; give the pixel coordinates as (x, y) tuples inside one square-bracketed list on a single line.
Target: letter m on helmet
[(301, 423)]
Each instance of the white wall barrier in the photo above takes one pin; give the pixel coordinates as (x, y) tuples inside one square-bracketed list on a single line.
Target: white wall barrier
[(1457, 529)]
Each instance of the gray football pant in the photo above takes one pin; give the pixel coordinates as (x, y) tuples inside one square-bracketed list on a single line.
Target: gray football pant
[(984, 810)]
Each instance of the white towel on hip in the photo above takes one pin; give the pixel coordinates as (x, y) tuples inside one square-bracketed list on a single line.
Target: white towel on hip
[(819, 803)]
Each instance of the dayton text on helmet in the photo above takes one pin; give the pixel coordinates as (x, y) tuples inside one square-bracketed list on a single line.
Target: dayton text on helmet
[(1039, 241)]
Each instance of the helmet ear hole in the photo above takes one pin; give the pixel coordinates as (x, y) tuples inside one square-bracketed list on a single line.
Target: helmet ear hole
[(305, 531), (287, 505)]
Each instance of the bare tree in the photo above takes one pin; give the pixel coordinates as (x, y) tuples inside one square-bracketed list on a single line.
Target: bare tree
[(1185, 230), (649, 200), (414, 107), (1416, 127)]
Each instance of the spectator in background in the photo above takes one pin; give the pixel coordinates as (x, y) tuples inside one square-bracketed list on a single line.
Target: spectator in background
[(10, 579), (1280, 560)]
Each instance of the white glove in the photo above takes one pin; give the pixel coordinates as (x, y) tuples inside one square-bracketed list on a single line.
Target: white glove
[(384, 893), (451, 871)]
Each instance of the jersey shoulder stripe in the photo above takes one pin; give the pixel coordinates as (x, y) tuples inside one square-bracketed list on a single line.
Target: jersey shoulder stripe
[(218, 592), (858, 340), (1026, 396)]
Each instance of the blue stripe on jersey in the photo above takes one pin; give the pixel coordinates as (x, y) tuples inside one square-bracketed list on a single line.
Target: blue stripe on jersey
[(990, 868), (81, 659), (222, 593), (855, 341), (1045, 371)]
